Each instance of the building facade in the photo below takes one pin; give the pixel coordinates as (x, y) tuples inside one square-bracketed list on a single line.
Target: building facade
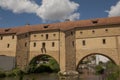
[(67, 42)]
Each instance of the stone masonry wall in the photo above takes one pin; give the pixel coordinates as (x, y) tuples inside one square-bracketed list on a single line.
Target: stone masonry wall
[(22, 54), (70, 50)]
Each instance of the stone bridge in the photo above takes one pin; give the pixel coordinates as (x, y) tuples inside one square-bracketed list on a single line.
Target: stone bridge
[(68, 42)]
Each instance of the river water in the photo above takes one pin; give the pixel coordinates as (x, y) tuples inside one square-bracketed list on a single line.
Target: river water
[(44, 76)]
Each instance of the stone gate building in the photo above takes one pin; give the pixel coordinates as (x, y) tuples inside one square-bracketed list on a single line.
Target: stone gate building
[(67, 42)]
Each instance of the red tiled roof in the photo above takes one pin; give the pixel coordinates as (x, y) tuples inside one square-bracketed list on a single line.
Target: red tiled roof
[(62, 26)]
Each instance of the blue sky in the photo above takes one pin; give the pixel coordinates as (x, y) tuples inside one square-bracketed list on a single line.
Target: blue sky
[(20, 12)]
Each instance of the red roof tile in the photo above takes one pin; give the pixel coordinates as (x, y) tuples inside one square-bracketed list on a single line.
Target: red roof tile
[(62, 25)]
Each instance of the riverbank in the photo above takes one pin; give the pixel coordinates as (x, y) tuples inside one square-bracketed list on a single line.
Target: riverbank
[(41, 76), (12, 73)]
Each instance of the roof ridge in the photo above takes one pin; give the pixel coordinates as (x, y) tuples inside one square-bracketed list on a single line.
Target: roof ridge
[(62, 25)]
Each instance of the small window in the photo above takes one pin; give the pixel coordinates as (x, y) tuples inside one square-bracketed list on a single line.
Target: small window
[(46, 26), (71, 33), (54, 34), (43, 45), (6, 30), (81, 32), (46, 36), (73, 44), (93, 31), (42, 35), (53, 44), (104, 41), (8, 45), (1, 37), (83, 43), (13, 37), (106, 30), (34, 35), (95, 21), (34, 44), (26, 35), (26, 44)]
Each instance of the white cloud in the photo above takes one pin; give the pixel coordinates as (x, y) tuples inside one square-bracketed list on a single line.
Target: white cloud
[(49, 10), (19, 6), (114, 10), (57, 9), (74, 16)]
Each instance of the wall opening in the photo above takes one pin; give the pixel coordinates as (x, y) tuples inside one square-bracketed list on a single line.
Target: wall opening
[(104, 41), (53, 44), (46, 36), (1, 38), (83, 42), (34, 44), (8, 45), (43, 63), (95, 64), (43, 45)]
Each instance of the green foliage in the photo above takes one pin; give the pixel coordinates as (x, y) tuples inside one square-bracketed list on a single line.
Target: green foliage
[(31, 69), (113, 76), (21, 77), (33, 79), (54, 65), (43, 68), (2, 74), (48, 65), (14, 72), (99, 69), (112, 71)]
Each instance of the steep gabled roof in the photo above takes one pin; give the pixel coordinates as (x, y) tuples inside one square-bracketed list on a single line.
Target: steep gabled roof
[(62, 25)]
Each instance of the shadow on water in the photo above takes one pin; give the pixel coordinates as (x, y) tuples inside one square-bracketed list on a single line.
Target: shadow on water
[(44, 76), (69, 78)]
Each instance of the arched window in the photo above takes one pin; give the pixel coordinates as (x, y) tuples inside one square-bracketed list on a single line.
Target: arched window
[(25, 44), (53, 44), (46, 36), (83, 43), (34, 44), (104, 41), (13, 36), (43, 45), (8, 45)]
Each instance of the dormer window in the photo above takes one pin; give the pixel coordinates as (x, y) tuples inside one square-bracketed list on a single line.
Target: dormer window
[(95, 21), (6, 30), (46, 26)]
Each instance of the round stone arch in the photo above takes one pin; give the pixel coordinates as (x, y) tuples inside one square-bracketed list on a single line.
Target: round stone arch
[(40, 55), (113, 58)]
